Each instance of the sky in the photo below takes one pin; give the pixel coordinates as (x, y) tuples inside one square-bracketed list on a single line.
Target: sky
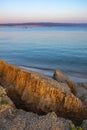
[(64, 11)]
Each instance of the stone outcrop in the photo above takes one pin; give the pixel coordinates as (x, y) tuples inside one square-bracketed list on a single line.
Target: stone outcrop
[(15, 119), (62, 78), (40, 94)]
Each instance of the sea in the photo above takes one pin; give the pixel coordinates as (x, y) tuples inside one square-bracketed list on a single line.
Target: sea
[(46, 48)]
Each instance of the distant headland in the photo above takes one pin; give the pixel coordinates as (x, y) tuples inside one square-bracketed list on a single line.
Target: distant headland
[(43, 24)]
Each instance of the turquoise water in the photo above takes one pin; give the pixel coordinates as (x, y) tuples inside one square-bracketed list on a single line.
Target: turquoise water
[(45, 49)]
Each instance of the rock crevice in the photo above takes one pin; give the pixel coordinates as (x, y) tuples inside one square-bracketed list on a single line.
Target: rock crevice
[(40, 94)]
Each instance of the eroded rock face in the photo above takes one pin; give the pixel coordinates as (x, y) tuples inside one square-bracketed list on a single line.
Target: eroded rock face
[(40, 94), (61, 77), (15, 119)]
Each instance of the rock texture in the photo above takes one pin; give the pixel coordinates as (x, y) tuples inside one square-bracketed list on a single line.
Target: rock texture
[(81, 89), (61, 77), (40, 94), (14, 119), (84, 99), (84, 85), (5, 101), (84, 125)]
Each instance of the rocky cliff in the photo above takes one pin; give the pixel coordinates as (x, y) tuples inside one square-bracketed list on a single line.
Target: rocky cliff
[(40, 94)]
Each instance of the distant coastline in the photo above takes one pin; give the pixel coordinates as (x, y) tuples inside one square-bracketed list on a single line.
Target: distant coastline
[(43, 24)]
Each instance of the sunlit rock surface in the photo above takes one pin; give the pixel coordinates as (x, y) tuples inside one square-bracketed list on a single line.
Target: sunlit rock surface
[(40, 94), (12, 118), (61, 77)]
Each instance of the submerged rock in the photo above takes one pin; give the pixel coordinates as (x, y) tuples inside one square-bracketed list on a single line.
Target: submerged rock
[(40, 94), (61, 77)]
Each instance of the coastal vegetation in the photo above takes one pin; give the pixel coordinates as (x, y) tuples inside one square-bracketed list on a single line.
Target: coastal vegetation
[(73, 127)]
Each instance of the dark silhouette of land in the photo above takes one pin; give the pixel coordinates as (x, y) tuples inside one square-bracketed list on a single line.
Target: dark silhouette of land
[(43, 24)]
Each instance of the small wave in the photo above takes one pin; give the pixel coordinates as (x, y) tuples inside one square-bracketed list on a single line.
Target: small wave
[(75, 76), (40, 68), (46, 71)]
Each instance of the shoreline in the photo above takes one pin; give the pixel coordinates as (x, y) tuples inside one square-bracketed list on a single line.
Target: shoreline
[(75, 76), (81, 82)]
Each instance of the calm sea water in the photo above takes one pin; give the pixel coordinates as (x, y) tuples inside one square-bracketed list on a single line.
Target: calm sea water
[(45, 49)]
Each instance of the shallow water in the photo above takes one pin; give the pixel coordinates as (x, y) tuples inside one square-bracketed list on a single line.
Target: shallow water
[(45, 49)]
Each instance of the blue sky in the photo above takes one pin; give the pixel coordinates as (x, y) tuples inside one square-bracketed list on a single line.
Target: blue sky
[(43, 11)]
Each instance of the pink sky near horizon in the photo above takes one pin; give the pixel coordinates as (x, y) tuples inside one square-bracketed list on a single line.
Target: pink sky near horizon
[(65, 11)]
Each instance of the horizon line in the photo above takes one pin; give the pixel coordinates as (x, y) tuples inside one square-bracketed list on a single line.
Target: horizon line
[(41, 23)]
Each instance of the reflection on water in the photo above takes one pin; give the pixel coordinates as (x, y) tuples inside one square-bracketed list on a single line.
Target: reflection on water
[(46, 49)]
